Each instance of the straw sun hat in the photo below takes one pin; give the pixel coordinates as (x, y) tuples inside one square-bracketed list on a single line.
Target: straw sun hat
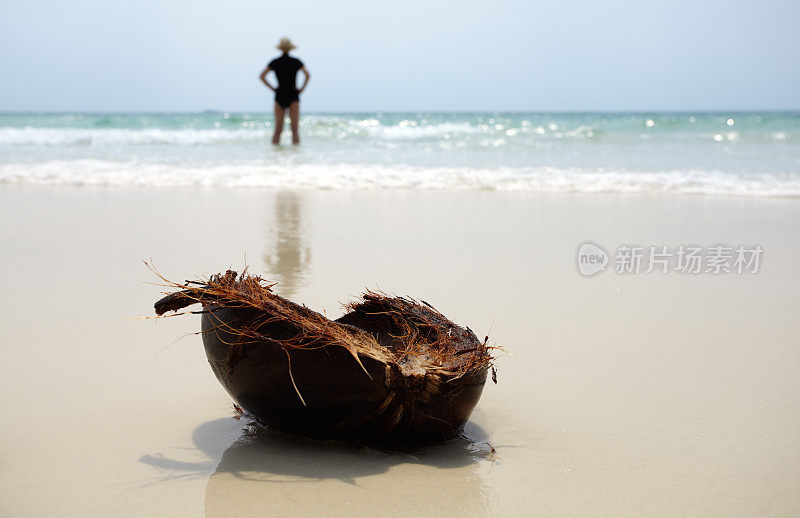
[(285, 45)]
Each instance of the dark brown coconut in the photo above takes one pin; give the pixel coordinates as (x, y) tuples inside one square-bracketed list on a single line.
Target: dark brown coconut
[(391, 371)]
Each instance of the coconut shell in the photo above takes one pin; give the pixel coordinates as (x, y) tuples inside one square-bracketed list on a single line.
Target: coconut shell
[(416, 380)]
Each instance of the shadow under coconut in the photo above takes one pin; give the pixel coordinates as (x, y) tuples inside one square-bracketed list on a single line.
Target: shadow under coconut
[(248, 451), (273, 472), (284, 458)]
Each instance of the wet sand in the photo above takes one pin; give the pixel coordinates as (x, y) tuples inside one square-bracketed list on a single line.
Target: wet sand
[(618, 395)]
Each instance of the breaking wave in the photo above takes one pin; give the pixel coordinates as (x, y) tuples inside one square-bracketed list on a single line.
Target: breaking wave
[(375, 176)]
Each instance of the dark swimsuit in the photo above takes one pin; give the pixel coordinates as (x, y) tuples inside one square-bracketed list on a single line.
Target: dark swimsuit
[(286, 68)]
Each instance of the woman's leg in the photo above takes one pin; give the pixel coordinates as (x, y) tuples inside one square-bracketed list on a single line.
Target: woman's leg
[(294, 120), (280, 113)]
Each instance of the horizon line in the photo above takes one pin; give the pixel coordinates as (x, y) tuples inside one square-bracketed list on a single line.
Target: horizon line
[(335, 112)]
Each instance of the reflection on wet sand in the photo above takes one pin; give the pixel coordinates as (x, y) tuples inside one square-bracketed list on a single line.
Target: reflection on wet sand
[(269, 472), (288, 259)]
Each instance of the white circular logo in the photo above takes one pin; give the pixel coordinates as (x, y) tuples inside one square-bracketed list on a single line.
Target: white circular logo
[(590, 258)]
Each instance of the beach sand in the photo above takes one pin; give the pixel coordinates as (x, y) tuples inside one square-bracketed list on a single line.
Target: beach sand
[(617, 395)]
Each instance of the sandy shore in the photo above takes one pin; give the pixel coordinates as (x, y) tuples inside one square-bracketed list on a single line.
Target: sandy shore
[(620, 395)]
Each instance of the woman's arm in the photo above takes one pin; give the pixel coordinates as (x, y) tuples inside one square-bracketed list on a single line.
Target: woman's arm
[(305, 81), (263, 77)]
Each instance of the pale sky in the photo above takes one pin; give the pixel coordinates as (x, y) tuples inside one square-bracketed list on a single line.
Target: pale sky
[(492, 55)]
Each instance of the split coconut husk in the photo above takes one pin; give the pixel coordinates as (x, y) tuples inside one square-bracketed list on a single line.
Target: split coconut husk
[(391, 371)]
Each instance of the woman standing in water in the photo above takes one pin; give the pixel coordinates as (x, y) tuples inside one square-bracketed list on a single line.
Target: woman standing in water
[(287, 95)]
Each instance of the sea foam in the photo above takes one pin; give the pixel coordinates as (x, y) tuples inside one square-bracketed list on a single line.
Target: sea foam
[(376, 176)]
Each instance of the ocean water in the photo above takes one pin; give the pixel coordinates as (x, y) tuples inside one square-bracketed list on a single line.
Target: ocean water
[(750, 154)]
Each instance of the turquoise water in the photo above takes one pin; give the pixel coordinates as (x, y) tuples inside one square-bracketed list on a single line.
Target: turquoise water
[(754, 154)]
